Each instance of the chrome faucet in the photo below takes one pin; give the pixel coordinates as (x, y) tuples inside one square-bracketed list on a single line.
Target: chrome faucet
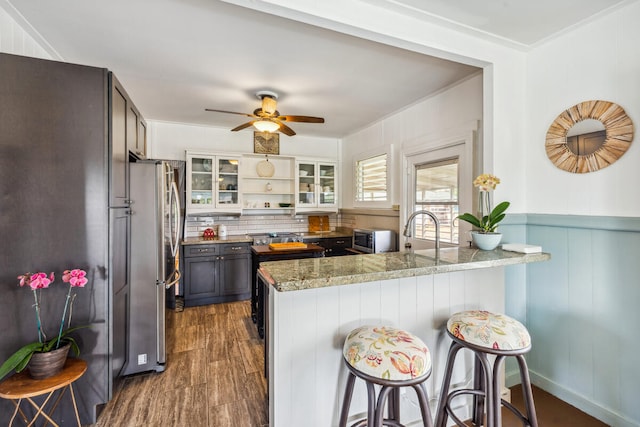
[(408, 228)]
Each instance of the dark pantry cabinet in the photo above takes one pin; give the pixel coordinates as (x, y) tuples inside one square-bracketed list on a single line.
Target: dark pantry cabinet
[(216, 273), (64, 190)]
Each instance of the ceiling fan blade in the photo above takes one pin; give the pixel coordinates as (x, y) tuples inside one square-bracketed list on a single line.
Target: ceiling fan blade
[(285, 129), (242, 126), (229, 112), (304, 119)]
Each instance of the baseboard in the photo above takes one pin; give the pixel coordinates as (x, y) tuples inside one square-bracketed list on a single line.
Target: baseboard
[(581, 402)]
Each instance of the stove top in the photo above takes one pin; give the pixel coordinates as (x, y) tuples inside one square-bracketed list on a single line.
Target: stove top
[(267, 238)]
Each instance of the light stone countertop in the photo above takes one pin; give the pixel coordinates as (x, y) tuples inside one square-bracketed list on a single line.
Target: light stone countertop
[(310, 273)]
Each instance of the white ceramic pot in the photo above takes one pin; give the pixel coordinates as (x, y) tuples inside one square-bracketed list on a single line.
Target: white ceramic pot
[(222, 230), (486, 241)]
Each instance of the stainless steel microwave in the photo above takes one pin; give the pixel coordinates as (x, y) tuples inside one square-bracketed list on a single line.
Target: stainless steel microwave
[(374, 241)]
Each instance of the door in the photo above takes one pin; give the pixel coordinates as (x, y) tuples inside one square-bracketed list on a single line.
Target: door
[(119, 254), (227, 181), (306, 178), (201, 277), (438, 181), (327, 180), (235, 274), (200, 178), (118, 188)]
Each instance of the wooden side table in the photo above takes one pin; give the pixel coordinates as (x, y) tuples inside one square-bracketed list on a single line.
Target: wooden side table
[(22, 386)]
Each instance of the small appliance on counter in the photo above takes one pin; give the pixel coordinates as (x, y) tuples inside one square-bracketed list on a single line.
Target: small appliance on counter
[(374, 241)]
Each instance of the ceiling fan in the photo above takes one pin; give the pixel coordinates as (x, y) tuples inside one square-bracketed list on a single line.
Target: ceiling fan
[(267, 118)]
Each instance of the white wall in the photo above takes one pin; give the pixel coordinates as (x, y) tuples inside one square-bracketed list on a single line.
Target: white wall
[(597, 61), (445, 112), (170, 140)]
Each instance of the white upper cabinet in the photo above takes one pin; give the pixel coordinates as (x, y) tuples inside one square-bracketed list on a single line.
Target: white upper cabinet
[(213, 183), (316, 186)]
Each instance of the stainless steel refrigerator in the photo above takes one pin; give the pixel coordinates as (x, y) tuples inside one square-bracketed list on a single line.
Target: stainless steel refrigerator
[(155, 263)]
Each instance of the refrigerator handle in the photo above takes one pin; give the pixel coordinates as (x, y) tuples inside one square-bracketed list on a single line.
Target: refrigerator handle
[(176, 277), (175, 231)]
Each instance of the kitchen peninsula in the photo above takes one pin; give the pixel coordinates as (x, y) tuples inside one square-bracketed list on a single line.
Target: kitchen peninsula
[(314, 303)]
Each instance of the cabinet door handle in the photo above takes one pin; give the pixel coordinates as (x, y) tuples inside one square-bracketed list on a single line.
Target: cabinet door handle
[(236, 248), (220, 257), (203, 250), (340, 242)]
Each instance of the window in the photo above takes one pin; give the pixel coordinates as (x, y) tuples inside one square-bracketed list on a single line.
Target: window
[(436, 190), (371, 179)]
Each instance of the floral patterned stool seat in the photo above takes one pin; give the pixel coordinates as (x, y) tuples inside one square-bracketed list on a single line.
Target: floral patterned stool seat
[(486, 333), (391, 358)]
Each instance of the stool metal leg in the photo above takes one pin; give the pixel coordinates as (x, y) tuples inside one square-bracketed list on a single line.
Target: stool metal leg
[(527, 394), (393, 407), (382, 399), (441, 415), (371, 404), (488, 390), (423, 399), (346, 402), (495, 395), (478, 384)]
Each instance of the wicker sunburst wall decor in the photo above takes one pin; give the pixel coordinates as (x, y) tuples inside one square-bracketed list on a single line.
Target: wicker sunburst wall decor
[(619, 135)]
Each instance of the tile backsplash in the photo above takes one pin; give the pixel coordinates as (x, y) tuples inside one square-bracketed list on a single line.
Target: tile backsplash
[(239, 225), (195, 225)]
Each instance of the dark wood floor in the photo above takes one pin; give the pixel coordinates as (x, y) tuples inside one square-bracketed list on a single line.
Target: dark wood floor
[(214, 378)]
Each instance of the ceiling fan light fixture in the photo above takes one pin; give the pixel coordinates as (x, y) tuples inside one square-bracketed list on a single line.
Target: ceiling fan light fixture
[(266, 126)]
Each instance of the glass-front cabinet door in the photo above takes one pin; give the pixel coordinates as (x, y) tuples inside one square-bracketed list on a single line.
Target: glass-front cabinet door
[(227, 180), (200, 175), (307, 196), (327, 185)]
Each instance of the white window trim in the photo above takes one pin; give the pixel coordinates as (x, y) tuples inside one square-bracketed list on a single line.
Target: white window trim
[(363, 155)]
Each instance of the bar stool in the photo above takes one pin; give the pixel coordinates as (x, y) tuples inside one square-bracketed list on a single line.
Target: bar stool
[(486, 333), (391, 358)]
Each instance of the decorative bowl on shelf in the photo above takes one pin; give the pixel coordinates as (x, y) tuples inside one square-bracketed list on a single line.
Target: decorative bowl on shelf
[(303, 172), (284, 205), (265, 169)]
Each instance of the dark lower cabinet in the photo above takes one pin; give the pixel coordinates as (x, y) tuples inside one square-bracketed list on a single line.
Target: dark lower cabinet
[(235, 275), (333, 246), (217, 273), (200, 278)]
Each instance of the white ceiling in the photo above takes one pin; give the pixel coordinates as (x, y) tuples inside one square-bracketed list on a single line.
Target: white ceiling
[(178, 57)]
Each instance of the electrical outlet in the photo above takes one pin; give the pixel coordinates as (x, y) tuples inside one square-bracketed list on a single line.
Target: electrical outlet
[(142, 359)]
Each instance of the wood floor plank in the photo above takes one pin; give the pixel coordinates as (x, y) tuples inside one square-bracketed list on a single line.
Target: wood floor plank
[(225, 380), (234, 414)]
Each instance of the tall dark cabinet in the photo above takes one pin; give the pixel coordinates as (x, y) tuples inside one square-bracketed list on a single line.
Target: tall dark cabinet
[(65, 136)]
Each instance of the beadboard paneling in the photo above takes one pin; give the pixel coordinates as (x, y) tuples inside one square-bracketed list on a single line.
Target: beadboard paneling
[(582, 313), (14, 39)]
